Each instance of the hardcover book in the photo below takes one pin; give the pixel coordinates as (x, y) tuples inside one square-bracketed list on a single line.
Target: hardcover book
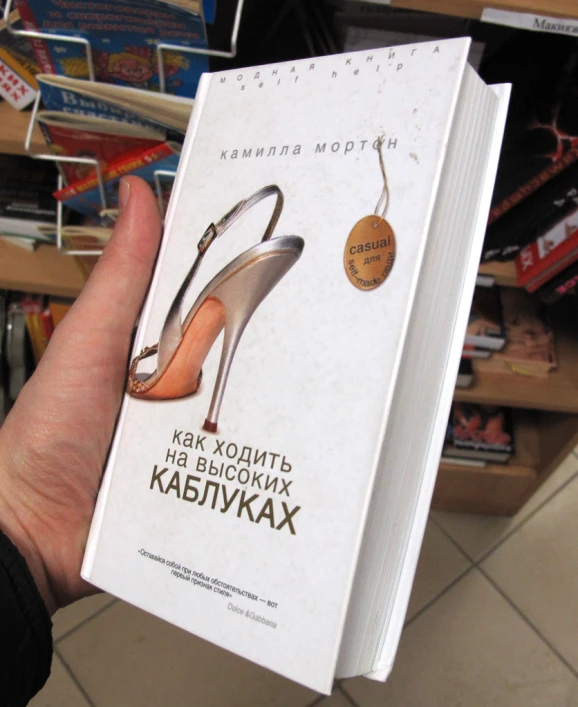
[(123, 36), (271, 473)]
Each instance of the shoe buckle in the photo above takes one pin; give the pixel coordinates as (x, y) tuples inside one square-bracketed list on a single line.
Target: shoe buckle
[(207, 238)]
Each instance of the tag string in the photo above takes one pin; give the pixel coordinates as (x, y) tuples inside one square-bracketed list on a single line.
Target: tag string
[(383, 201)]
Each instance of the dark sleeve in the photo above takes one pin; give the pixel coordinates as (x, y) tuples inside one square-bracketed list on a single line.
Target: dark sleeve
[(25, 630)]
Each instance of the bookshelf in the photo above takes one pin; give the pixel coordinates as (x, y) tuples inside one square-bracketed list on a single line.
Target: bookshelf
[(474, 8), (44, 271)]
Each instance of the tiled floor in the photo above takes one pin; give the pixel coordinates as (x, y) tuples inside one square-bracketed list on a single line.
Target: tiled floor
[(493, 620)]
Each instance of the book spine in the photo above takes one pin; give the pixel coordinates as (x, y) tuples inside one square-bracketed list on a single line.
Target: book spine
[(552, 271), (40, 46), (530, 267), (31, 308), (116, 169), (533, 185), (554, 290)]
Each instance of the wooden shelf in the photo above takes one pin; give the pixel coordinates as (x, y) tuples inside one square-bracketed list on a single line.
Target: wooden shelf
[(557, 392), (494, 488), (474, 8), (44, 271), (13, 131), (504, 273)]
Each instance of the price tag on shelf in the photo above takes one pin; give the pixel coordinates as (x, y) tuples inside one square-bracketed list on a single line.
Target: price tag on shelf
[(535, 23)]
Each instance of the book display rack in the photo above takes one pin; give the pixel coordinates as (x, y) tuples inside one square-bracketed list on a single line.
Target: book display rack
[(546, 428)]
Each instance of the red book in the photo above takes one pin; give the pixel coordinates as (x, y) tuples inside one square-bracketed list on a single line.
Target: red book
[(548, 255), (125, 164), (85, 136)]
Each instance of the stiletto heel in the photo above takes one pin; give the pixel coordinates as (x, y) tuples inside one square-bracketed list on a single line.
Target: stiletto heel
[(228, 301)]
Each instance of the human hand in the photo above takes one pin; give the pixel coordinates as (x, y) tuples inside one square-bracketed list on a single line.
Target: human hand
[(54, 442)]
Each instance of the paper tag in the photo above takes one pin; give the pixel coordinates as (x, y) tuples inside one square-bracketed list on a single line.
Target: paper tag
[(536, 23)]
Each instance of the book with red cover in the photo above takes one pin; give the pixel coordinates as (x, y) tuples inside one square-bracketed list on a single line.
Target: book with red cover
[(84, 196), (85, 136), (548, 255)]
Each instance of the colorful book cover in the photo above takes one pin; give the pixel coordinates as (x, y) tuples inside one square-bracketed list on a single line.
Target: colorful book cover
[(18, 67), (123, 36), (102, 145), (84, 196), (482, 428), (58, 99)]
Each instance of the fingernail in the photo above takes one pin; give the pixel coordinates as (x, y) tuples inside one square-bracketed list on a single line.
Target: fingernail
[(123, 194)]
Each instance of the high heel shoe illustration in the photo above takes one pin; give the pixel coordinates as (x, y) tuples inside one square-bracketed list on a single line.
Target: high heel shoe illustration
[(227, 302)]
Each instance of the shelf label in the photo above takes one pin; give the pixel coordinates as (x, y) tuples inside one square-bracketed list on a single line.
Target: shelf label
[(536, 23)]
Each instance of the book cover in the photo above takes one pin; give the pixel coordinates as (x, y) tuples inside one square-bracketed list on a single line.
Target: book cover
[(486, 323), (549, 254), (483, 431), (123, 35), (541, 138), (102, 140), (123, 104), (18, 67), (84, 195), (258, 402)]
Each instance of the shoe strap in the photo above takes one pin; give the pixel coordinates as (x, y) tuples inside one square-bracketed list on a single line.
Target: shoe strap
[(172, 332)]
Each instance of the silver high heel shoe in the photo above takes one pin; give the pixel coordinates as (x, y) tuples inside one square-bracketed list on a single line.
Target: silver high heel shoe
[(228, 301)]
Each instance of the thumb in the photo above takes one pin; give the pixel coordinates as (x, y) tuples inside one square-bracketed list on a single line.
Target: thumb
[(113, 294)]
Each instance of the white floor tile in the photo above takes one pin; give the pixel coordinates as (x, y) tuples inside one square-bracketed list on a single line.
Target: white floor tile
[(537, 567), (72, 616), (470, 649), (440, 562), (60, 690), (127, 658), (477, 534)]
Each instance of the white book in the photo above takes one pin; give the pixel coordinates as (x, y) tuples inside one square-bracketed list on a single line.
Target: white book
[(276, 504)]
